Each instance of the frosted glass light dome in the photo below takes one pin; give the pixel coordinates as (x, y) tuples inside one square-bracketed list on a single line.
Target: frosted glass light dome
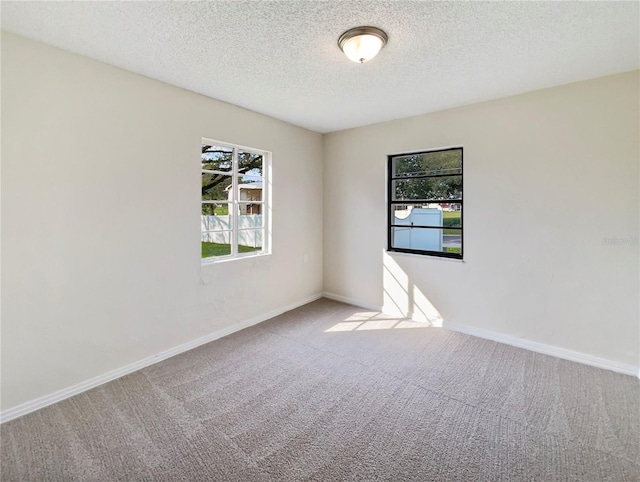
[(361, 44)]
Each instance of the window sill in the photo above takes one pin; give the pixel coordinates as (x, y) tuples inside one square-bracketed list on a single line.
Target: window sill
[(213, 261), (424, 256)]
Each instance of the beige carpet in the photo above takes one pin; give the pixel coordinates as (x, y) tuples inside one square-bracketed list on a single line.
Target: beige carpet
[(328, 392)]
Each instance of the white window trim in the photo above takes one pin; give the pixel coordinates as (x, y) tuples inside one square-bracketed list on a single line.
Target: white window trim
[(234, 204)]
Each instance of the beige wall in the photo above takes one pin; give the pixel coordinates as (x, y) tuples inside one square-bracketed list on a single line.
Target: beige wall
[(101, 219), (549, 177)]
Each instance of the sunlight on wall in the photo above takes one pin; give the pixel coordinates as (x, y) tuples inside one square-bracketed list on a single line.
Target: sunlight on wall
[(423, 309), (404, 299), (395, 284)]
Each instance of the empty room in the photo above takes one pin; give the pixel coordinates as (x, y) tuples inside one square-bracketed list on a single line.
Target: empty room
[(320, 241)]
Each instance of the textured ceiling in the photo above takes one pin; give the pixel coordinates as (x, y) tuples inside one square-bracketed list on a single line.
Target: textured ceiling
[(281, 58)]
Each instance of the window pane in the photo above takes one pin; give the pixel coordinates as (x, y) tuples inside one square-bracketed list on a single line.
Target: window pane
[(448, 187), (428, 164), (250, 191), (432, 214), (215, 217), (250, 215), (250, 166), (452, 217), (250, 240), (250, 209), (216, 187), (217, 158), (426, 239), (216, 243)]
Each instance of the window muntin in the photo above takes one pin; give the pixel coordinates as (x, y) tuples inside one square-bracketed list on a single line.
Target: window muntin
[(233, 217), (428, 163), (425, 203), (427, 188)]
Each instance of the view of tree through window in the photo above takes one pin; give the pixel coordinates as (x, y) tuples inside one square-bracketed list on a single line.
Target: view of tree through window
[(425, 203), (233, 201)]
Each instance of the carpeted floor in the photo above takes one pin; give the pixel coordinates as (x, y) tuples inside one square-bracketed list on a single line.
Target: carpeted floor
[(329, 392)]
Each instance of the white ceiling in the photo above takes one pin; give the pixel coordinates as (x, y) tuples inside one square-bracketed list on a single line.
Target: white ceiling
[(282, 59)]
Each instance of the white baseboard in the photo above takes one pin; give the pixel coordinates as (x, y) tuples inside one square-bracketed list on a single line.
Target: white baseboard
[(537, 347), (352, 301), (545, 349), (60, 395)]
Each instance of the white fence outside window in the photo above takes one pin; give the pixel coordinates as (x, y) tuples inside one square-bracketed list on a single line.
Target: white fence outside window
[(246, 235), (418, 238)]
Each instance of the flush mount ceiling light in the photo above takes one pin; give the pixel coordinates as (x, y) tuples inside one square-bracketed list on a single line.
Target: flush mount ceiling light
[(361, 44)]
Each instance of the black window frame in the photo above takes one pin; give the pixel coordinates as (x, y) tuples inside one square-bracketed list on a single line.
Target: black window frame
[(391, 203)]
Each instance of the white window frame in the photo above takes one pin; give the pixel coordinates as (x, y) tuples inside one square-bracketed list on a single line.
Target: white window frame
[(234, 204)]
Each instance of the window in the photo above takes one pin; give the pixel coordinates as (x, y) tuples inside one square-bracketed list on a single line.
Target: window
[(425, 203), (234, 201)]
